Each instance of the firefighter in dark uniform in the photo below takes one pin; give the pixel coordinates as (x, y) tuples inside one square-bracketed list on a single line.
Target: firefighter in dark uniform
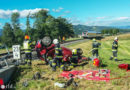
[(58, 59), (95, 46), (114, 49), (27, 49), (74, 59)]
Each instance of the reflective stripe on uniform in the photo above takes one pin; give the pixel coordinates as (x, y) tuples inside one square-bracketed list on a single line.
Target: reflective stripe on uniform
[(95, 48), (115, 57), (28, 60), (53, 64), (58, 48), (71, 67), (74, 64), (59, 56), (27, 51), (74, 56), (62, 66), (114, 50)]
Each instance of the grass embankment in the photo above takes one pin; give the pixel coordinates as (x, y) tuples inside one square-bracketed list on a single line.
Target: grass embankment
[(47, 82), (71, 39)]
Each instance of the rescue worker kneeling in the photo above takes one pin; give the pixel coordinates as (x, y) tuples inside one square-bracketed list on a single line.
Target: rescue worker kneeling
[(74, 59), (27, 49), (58, 59)]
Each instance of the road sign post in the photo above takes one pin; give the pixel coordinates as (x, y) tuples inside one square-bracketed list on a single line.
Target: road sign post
[(16, 52)]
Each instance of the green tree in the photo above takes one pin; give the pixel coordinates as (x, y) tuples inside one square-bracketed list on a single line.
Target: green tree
[(7, 35), (28, 28), (18, 33), (15, 21), (65, 28), (39, 24)]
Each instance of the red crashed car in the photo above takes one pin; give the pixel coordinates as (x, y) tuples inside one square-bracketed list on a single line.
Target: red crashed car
[(45, 49)]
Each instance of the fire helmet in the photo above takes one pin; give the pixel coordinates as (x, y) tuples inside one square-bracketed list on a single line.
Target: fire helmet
[(116, 38), (74, 51), (94, 39), (27, 37), (55, 41)]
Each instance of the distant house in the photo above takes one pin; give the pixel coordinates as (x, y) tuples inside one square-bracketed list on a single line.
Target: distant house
[(91, 34)]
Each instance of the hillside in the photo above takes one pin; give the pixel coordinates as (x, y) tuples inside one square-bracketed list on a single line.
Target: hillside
[(78, 29)]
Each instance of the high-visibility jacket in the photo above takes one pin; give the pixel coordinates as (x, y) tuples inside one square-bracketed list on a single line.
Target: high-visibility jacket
[(95, 45), (114, 45), (27, 46), (58, 52)]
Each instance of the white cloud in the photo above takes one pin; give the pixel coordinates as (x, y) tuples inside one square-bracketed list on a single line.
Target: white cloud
[(123, 18), (0, 24), (74, 20), (101, 17), (101, 21), (67, 11), (108, 21), (22, 25), (57, 10), (4, 14)]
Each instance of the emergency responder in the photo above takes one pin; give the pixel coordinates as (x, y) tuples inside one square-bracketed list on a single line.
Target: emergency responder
[(63, 39), (74, 58), (58, 59), (114, 49), (27, 49), (95, 46)]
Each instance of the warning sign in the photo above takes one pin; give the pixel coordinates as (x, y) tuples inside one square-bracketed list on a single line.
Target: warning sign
[(16, 51)]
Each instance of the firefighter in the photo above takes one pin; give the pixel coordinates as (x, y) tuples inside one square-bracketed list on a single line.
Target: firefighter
[(58, 59), (114, 49), (27, 49), (74, 58), (63, 39), (95, 46)]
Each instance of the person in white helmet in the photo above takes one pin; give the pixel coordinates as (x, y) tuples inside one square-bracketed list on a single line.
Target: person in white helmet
[(114, 49), (57, 61)]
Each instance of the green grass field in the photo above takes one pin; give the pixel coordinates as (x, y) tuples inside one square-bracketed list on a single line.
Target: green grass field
[(47, 82)]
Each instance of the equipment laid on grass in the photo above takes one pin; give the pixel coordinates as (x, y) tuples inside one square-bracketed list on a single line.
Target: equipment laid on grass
[(61, 85), (68, 83), (98, 75), (124, 66), (97, 62)]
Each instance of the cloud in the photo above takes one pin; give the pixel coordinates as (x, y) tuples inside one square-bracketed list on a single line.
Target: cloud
[(0, 24), (101, 17), (101, 21), (108, 21), (57, 10), (67, 12), (22, 25), (4, 14), (123, 18), (74, 20)]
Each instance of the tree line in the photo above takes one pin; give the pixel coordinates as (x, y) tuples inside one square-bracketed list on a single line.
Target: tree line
[(110, 31), (44, 24)]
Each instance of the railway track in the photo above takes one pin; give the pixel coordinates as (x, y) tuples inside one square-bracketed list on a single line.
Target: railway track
[(9, 55), (11, 52)]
